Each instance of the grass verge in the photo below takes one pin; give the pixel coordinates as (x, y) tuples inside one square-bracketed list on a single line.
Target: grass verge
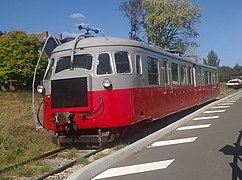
[(19, 140)]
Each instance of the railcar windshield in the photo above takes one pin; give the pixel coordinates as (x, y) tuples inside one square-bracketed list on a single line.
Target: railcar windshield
[(122, 62), (80, 61)]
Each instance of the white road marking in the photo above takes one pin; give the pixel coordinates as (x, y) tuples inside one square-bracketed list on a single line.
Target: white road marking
[(120, 171), (193, 127), (172, 142), (204, 118), (229, 101), (220, 107), (225, 104), (216, 111)]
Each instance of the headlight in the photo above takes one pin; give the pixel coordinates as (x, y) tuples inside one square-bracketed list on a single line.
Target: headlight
[(40, 89), (107, 84)]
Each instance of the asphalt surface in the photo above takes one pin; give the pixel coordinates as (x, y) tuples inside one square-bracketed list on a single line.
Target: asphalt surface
[(206, 144)]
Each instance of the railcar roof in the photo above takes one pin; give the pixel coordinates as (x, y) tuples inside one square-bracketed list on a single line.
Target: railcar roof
[(113, 41)]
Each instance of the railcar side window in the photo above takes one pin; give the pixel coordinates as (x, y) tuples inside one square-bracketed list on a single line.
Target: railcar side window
[(50, 69), (207, 77), (183, 74), (104, 65), (63, 63), (210, 78), (83, 61), (122, 62), (216, 78), (199, 76), (189, 75), (153, 75), (174, 71), (165, 72), (138, 65)]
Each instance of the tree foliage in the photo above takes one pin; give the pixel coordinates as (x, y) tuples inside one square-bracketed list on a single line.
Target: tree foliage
[(19, 53), (171, 24), (237, 69), (212, 59), (134, 12), (225, 73)]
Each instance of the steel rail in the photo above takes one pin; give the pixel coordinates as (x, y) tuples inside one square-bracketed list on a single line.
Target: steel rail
[(49, 153)]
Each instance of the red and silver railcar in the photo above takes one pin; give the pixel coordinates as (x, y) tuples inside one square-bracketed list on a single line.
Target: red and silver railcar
[(94, 87)]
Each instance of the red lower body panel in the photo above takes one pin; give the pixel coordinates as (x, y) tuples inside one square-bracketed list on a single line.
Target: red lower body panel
[(116, 108)]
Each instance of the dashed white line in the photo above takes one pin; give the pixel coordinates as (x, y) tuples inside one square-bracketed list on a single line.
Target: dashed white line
[(216, 111), (172, 142), (193, 127), (229, 101), (220, 107), (205, 118), (120, 171), (225, 104)]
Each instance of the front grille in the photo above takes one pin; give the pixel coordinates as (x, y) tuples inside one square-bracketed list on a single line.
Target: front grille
[(69, 93)]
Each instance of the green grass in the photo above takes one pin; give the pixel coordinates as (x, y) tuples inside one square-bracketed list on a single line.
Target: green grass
[(225, 91), (19, 140)]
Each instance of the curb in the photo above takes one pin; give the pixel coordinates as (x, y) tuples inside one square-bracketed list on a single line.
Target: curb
[(95, 168)]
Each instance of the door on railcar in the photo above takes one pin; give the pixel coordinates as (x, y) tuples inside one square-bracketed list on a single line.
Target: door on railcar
[(167, 86), (139, 72), (139, 92), (199, 88)]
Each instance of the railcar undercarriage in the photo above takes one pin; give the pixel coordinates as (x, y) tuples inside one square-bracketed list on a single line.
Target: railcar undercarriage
[(92, 136)]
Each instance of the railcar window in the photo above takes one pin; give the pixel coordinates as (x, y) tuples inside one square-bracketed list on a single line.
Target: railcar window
[(63, 63), (206, 77), (138, 65), (50, 69), (153, 75), (189, 75), (122, 62), (210, 78), (80, 61), (199, 76), (165, 72), (83, 61), (104, 65), (174, 72), (183, 74), (216, 78)]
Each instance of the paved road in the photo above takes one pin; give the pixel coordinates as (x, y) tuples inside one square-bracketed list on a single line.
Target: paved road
[(206, 148)]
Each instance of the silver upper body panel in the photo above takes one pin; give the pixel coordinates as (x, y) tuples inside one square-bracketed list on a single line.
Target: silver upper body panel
[(94, 46)]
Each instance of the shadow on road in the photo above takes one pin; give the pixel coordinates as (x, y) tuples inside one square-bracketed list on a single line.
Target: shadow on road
[(236, 152), (146, 128)]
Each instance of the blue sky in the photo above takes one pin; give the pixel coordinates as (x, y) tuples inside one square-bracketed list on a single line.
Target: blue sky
[(220, 28)]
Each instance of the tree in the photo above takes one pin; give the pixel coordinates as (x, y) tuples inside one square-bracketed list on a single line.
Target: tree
[(225, 73), (212, 59), (134, 12), (18, 57), (238, 69), (171, 24)]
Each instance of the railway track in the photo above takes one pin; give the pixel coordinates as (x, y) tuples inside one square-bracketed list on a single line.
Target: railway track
[(55, 160), (61, 164)]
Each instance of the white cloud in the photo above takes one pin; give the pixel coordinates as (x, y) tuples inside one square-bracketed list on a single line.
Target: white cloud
[(77, 16)]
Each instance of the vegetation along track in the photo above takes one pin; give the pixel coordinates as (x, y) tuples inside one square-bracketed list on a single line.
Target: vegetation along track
[(58, 160)]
